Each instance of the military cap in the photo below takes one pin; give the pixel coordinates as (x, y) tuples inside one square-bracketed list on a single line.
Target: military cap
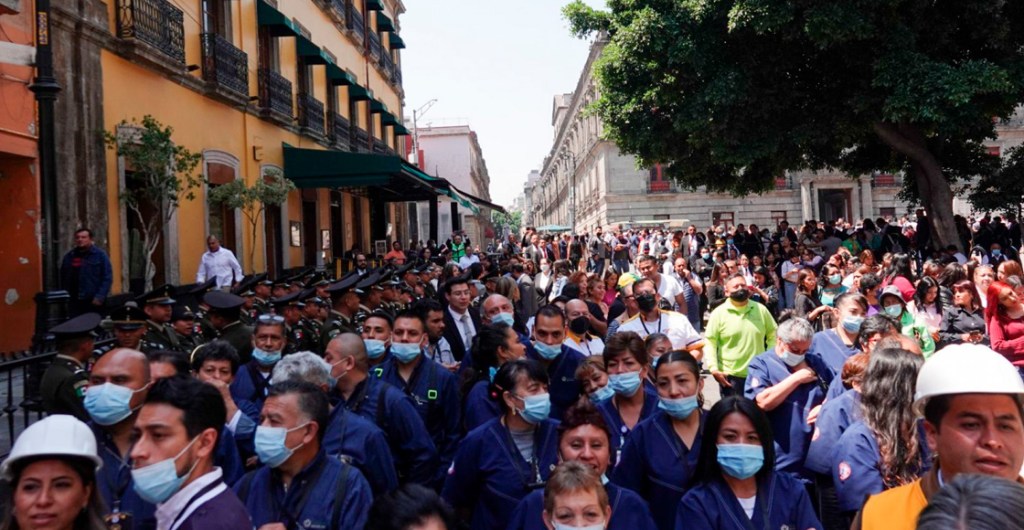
[(340, 287), (182, 312), (203, 288), (404, 268), (288, 299), (222, 300), (424, 269), (80, 326), (128, 317), (247, 293), (262, 279), (245, 285), (309, 295), (163, 295), (369, 282), (393, 282), (282, 282)]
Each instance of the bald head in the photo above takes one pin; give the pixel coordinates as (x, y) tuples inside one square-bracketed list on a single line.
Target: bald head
[(495, 304), (348, 346), (126, 368)]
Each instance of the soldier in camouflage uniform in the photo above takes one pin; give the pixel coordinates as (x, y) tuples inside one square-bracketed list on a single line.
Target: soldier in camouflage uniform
[(344, 305), (426, 274), (64, 383), (129, 323), (392, 296), (261, 303), (225, 311), (183, 325), (310, 322), (290, 307), (370, 294), (157, 305)]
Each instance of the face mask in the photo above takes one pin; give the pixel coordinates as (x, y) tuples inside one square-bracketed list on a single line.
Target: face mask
[(503, 318), (108, 403), (602, 394), (405, 352), (536, 408), (894, 310), (374, 348), (679, 409), (560, 526), (835, 279), (792, 359), (852, 324), (729, 241), (270, 444), (545, 268), (546, 351), (579, 325), (740, 295), (156, 483), (996, 253), (740, 461), (705, 255), (265, 358), (625, 384), (646, 302)]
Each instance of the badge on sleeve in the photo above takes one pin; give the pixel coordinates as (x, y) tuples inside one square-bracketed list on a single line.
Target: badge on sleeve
[(755, 382), (816, 435), (844, 471)]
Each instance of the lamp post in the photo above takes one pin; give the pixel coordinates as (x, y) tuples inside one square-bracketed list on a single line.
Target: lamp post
[(416, 131)]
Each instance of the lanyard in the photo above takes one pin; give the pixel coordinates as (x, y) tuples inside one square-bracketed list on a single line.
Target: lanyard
[(293, 517), (644, 324), (534, 465)]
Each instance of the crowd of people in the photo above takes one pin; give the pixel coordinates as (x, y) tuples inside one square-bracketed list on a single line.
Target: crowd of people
[(865, 379)]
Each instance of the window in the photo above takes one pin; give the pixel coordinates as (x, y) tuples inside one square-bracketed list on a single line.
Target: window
[(657, 182), (722, 218), (993, 150), (778, 216), (222, 217), (662, 217), (217, 17), (888, 213)]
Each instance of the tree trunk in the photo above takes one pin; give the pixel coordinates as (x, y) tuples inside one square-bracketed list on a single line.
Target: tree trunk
[(933, 188)]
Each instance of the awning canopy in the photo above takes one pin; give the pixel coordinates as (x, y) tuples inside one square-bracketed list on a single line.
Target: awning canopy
[(386, 118), (275, 21), (337, 76), (401, 130), (357, 93), (377, 106), (310, 52), (374, 5), (384, 22), (396, 41)]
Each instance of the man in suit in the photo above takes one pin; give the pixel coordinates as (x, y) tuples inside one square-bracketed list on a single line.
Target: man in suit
[(461, 322), (691, 242), (527, 291)]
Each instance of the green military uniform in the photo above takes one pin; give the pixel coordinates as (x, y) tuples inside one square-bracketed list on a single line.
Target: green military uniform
[(63, 386), (260, 306), (240, 336), (158, 336), (236, 333), (336, 324), (360, 317)]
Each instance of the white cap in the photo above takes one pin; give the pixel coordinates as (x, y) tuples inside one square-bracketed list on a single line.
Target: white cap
[(58, 435), (967, 369)]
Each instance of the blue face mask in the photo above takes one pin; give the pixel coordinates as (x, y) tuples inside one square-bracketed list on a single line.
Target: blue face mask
[(835, 279), (270, 444), (996, 253), (679, 409), (503, 318), (536, 408), (894, 310), (491, 372), (265, 358), (792, 359), (546, 351), (740, 461), (602, 394), (625, 384), (374, 348), (156, 482), (852, 324), (559, 526), (405, 352), (108, 403)]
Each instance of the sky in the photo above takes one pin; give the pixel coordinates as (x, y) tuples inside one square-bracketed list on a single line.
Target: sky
[(495, 65)]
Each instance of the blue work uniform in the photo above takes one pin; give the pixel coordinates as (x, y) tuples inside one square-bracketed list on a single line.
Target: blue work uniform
[(480, 408), (792, 434), (249, 389), (618, 429), (782, 502), (563, 386), (114, 480), (489, 475), (835, 416), (856, 468), (358, 441), (325, 495), (629, 511), (435, 393), (830, 348), (227, 456), (657, 465), (394, 412)]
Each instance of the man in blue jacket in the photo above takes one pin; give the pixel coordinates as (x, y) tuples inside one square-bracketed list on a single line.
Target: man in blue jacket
[(86, 275)]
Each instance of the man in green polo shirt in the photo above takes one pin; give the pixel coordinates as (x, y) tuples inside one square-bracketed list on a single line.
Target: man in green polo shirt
[(737, 331)]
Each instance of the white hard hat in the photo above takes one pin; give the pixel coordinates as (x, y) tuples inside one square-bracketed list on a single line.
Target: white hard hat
[(967, 369), (57, 435)]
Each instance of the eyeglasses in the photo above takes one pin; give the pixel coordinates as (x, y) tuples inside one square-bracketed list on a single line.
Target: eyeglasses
[(270, 319)]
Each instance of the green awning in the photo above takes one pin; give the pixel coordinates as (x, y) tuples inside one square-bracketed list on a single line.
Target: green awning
[(400, 130), (377, 106), (381, 176), (384, 22), (396, 42), (275, 21), (357, 93), (374, 5), (386, 118), (337, 76), (310, 52)]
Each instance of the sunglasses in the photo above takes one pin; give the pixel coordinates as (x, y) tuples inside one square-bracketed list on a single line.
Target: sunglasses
[(271, 319)]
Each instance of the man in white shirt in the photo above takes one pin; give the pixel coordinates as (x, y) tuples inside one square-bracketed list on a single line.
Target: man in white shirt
[(667, 286), (219, 262), (652, 319)]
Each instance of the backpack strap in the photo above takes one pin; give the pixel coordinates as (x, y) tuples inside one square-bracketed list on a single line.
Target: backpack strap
[(246, 485), (339, 496)]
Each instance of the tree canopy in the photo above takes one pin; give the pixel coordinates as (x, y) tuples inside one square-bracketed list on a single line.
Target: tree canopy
[(730, 94)]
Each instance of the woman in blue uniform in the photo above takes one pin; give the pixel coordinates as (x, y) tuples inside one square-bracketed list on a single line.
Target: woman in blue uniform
[(737, 486), (661, 452), (584, 437), (503, 460), (626, 361), (496, 344), (834, 346), (883, 450)]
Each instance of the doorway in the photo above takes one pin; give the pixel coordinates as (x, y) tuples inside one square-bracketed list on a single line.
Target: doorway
[(833, 204), (272, 234), (310, 241)]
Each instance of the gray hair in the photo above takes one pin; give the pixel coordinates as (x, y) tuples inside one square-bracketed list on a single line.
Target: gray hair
[(795, 329), (302, 366), (975, 502)]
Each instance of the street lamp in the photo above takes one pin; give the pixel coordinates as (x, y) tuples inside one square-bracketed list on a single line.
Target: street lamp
[(415, 130)]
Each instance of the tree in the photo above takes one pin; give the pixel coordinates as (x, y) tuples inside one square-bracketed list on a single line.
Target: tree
[(511, 221), (730, 94), (253, 200), (1003, 190), (159, 175)]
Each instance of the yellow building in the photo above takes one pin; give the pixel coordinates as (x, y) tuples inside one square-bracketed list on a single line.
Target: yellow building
[(241, 81)]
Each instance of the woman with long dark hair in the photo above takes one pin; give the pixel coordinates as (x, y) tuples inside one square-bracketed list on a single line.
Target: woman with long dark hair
[(899, 274), (736, 485), (625, 359), (808, 302), (494, 345), (884, 449), (926, 307), (963, 320)]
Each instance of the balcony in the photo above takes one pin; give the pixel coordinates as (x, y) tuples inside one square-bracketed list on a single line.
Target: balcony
[(398, 76), (225, 66), (360, 140), (387, 64), (379, 147), (354, 22), (340, 8), (311, 114), (341, 135), (154, 22), (276, 94), (886, 180), (661, 186), (375, 47), (784, 183)]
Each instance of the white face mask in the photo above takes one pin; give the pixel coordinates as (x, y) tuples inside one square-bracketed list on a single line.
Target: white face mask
[(560, 526)]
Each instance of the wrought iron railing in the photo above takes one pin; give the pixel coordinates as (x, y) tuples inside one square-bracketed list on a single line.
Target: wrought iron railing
[(311, 113), (398, 75), (224, 64), (275, 92), (341, 132), (340, 8), (660, 186), (375, 47), (154, 22), (886, 180), (379, 147), (387, 64), (354, 22), (360, 139), (784, 183)]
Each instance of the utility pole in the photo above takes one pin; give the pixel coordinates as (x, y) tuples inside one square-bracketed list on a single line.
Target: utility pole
[(46, 88), (416, 132)]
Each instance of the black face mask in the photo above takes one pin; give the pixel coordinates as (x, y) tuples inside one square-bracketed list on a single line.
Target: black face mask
[(740, 295), (579, 325), (646, 302)]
